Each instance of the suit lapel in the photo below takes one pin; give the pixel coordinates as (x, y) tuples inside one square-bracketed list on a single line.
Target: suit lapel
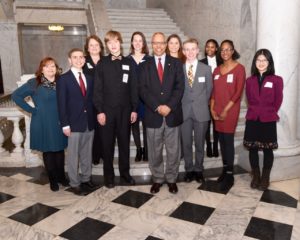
[(166, 69)]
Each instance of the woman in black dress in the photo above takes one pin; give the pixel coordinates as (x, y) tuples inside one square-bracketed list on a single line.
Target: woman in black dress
[(94, 51), (211, 59), (139, 53)]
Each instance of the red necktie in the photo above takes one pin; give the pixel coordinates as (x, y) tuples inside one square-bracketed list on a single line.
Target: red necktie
[(160, 70), (81, 83)]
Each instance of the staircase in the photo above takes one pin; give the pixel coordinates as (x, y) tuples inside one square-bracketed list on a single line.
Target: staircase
[(147, 20)]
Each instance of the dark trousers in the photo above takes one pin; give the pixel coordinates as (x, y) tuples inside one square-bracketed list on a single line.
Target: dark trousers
[(268, 158), (117, 127), (55, 165), (97, 145), (227, 150), (135, 127)]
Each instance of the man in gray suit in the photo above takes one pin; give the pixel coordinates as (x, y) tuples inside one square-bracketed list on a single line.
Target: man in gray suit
[(198, 87)]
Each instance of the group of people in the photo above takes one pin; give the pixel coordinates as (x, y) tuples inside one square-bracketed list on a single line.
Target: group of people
[(174, 96)]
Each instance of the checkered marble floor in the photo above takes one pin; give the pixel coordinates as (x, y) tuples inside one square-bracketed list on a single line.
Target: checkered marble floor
[(29, 210)]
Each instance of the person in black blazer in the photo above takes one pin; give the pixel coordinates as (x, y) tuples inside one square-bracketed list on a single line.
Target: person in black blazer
[(94, 50), (161, 87), (75, 107), (211, 59), (116, 101)]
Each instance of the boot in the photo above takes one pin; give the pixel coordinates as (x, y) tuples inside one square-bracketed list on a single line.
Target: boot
[(227, 182), (209, 150), (139, 154), (222, 176), (145, 154), (215, 149), (62, 177), (255, 178), (60, 169), (265, 179), (53, 182)]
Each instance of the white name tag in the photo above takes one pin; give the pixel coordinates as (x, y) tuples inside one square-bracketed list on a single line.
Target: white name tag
[(230, 78), (89, 65), (201, 79), (269, 85), (216, 77), (125, 78), (125, 67)]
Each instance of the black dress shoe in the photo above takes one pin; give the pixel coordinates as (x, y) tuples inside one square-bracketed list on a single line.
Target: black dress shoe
[(96, 161), (64, 182), (79, 191), (54, 186), (89, 185), (188, 177), (109, 182), (199, 177), (127, 179), (173, 187), (227, 182), (155, 188)]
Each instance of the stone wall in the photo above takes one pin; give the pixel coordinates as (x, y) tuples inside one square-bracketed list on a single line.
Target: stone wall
[(10, 56), (219, 19)]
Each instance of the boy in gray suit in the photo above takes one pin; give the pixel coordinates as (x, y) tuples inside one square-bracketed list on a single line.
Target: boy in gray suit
[(198, 87)]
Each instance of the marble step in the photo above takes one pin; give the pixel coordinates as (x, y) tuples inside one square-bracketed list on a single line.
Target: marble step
[(136, 12), (145, 26), (155, 21), (142, 168), (146, 20), (138, 18)]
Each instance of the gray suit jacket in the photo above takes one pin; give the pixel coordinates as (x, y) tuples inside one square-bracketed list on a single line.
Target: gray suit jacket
[(196, 99)]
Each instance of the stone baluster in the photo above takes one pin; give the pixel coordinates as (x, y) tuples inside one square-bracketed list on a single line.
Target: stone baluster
[(17, 137)]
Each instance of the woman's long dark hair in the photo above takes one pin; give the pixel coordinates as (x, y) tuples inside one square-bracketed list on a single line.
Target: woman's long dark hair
[(270, 69)]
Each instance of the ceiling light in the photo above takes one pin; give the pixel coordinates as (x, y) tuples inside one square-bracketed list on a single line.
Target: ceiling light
[(55, 27)]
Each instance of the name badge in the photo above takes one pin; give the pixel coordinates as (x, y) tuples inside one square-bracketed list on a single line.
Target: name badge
[(269, 85), (89, 65), (216, 77), (230, 78), (125, 67), (125, 78), (201, 79)]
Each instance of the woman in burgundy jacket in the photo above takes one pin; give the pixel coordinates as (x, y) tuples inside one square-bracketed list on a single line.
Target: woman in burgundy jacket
[(264, 91)]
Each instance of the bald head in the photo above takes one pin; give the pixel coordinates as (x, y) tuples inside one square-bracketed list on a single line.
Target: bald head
[(159, 43)]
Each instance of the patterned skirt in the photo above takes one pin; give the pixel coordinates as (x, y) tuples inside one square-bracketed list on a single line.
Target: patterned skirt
[(260, 135)]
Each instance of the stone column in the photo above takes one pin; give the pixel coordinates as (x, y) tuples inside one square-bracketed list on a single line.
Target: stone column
[(278, 30)]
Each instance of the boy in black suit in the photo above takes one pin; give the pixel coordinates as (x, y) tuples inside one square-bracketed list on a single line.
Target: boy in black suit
[(116, 100), (75, 107)]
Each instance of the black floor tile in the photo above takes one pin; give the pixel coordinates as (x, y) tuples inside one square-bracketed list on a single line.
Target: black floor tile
[(212, 186), (268, 230), (88, 228), (193, 212), (152, 238), (5, 197), (279, 198), (33, 214), (133, 198)]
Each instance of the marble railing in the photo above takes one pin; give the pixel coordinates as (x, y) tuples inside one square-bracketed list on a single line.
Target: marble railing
[(19, 156)]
